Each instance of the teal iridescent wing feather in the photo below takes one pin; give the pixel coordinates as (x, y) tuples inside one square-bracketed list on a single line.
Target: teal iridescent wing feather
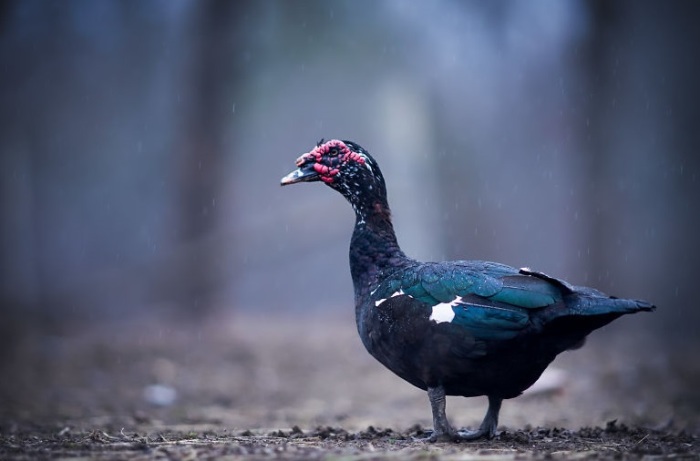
[(490, 300)]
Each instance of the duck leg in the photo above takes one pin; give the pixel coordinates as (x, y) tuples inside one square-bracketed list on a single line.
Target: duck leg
[(443, 431), (488, 425)]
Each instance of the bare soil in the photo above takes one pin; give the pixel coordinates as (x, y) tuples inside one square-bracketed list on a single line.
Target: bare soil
[(245, 386)]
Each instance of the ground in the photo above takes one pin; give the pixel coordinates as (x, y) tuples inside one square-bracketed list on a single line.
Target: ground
[(273, 386)]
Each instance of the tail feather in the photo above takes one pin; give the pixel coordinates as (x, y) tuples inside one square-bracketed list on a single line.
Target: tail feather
[(582, 311), (585, 301), (580, 314), (586, 305)]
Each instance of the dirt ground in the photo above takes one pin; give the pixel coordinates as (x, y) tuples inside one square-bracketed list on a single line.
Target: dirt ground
[(245, 386)]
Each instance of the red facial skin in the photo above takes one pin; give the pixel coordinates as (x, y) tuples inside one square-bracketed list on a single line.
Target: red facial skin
[(328, 157)]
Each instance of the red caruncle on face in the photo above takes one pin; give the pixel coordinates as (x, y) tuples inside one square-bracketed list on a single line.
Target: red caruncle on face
[(329, 157)]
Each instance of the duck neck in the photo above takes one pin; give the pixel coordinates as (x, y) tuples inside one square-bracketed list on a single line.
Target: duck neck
[(374, 250)]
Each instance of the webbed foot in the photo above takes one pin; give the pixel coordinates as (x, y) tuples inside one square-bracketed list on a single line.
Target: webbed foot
[(454, 436)]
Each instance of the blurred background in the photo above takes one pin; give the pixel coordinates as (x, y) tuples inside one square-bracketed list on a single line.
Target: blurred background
[(143, 143)]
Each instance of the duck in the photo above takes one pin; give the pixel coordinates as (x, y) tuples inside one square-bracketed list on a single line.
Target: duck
[(452, 328)]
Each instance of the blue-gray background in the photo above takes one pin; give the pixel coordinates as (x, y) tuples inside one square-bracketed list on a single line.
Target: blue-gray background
[(143, 142)]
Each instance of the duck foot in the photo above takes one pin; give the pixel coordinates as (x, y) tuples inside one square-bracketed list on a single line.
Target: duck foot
[(453, 436), (443, 431)]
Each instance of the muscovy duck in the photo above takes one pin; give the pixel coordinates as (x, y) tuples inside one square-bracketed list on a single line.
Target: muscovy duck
[(466, 328)]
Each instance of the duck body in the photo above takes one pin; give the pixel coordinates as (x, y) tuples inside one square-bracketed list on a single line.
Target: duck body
[(466, 328), (476, 327)]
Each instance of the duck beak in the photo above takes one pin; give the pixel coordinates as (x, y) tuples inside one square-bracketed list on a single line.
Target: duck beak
[(305, 173)]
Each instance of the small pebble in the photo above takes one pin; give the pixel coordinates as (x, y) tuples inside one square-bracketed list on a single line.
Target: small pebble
[(159, 394)]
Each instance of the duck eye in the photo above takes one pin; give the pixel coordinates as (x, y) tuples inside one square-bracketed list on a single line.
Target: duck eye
[(333, 151)]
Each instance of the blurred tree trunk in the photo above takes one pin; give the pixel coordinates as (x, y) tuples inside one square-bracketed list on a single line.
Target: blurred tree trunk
[(594, 133), (26, 200), (640, 69), (212, 73)]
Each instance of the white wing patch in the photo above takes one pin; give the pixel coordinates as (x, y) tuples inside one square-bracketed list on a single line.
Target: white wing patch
[(443, 312), (398, 293)]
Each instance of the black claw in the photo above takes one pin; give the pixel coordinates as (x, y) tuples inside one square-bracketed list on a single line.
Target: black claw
[(454, 436), (482, 433), (436, 437)]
